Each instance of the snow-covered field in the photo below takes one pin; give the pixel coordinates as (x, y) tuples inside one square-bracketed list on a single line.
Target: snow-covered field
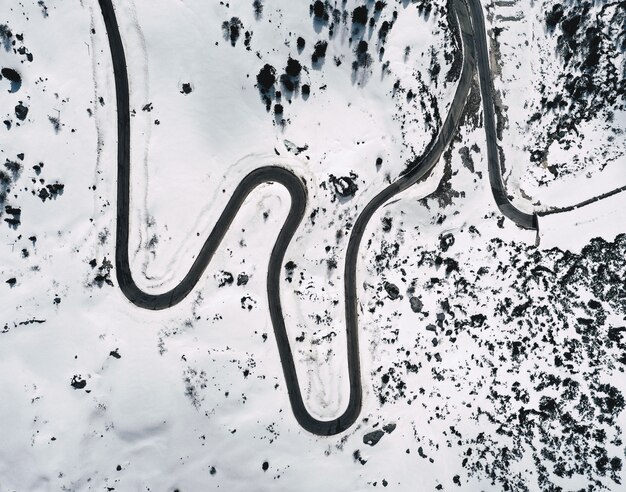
[(492, 357)]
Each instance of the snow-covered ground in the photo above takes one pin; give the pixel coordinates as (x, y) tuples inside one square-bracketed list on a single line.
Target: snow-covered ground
[(488, 363)]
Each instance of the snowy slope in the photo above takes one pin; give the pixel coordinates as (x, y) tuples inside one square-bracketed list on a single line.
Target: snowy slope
[(488, 362)]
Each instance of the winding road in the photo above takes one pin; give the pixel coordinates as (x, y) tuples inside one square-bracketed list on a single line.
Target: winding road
[(472, 30), (522, 219)]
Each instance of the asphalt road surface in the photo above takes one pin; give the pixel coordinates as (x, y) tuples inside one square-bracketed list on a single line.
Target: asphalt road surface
[(522, 219), (472, 33)]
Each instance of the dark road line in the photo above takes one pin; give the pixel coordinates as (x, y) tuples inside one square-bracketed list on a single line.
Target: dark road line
[(267, 174), (297, 190), (522, 219)]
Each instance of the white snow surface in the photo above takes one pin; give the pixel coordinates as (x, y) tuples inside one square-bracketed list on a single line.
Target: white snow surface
[(193, 398)]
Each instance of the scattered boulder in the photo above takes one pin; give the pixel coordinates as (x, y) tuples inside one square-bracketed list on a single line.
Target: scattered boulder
[(344, 186), (372, 438)]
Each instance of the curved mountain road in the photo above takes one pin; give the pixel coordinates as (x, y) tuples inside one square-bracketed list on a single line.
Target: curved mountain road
[(469, 16), (522, 219)]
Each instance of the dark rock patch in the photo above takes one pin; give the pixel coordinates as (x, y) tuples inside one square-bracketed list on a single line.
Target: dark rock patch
[(344, 186), (372, 438), (232, 29), (319, 53), (12, 76), (78, 382), (21, 111), (392, 290), (416, 304)]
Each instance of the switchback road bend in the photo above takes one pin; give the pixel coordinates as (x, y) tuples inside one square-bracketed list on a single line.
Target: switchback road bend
[(471, 31)]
